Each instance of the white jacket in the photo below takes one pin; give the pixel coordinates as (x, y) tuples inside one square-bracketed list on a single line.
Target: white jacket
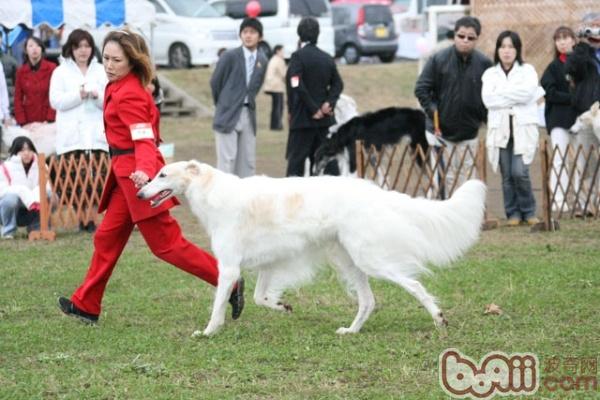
[(4, 103), (515, 95), (79, 123), (14, 179)]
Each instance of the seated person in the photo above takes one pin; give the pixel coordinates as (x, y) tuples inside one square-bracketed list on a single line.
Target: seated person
[(19, 188)]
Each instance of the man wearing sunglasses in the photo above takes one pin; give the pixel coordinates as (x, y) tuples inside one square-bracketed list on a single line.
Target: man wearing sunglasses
[(450, 84)]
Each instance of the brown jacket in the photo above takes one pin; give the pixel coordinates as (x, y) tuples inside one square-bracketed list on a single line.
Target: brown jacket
[(275, 75)]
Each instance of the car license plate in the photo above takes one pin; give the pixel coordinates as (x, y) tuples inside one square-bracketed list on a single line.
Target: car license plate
[(381, 32)]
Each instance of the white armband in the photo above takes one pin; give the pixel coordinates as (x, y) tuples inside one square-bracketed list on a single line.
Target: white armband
[(141, 131)]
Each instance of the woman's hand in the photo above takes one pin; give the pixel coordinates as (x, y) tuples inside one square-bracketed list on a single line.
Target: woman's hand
[(139, 178)]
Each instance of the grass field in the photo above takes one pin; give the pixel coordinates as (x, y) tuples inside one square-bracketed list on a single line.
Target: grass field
[(547, 284)]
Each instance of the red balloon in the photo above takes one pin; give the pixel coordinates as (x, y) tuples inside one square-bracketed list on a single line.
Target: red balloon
[(253, 8)]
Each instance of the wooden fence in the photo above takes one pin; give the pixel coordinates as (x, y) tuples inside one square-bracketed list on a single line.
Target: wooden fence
[(569, 182), (534, 20), (76, 183)]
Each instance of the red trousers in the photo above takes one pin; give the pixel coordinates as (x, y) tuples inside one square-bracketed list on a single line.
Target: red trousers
[(162, 234)]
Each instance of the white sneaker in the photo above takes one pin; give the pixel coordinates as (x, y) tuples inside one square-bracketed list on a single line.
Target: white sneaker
[(7, 237)]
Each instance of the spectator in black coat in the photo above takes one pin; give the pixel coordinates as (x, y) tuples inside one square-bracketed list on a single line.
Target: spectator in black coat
[(313, 86), (559, 112)]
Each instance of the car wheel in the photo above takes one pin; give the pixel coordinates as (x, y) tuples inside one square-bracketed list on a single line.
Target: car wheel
[(351, 54), (179, 56), (387, 57), (265, 48)]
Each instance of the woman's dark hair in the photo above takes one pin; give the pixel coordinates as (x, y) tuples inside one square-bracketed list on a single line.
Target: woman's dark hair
[(73, 42), (136, 51), (18, 144), (39, 43), (563, 31), (516, 41), (277, 48)]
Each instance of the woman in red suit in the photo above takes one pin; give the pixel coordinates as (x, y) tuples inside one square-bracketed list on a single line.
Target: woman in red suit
[(131, 120), (32, 85)]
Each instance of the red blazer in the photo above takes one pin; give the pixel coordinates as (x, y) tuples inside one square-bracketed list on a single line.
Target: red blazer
[(131, 121), (32, 102)]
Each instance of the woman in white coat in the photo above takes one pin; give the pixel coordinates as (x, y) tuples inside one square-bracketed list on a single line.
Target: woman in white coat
[(19, 188), (510, 92), (77, 93)]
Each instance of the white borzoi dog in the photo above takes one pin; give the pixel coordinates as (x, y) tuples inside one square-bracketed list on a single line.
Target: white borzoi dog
[(286, 228)]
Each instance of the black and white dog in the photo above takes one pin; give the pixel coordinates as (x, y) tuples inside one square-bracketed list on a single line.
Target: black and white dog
[(337, 155)]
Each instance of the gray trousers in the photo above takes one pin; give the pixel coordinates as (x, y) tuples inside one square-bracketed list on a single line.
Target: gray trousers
[(236, 150)]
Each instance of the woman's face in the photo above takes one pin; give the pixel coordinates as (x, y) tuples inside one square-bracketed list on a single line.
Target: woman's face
[(26, 154), (564, 44), (34, 51), (82, 52), (116, 63), (507, 52)]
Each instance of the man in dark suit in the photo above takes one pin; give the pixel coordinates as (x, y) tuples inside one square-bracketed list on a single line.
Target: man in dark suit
[(313, 87), (237, 78)]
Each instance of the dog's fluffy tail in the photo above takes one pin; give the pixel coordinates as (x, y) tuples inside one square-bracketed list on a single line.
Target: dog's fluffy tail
[(451, 227)]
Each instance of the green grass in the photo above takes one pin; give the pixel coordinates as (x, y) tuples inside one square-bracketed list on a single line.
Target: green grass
[(548, 285)]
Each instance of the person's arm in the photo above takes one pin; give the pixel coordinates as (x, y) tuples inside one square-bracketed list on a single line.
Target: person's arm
[(4, 102), (219, 76), (553, 94), (295, 72), (497, 94), (18, 98), (425, 86), (336, 87), (134, 112), (524, 89), (51, 114), (62, 96)]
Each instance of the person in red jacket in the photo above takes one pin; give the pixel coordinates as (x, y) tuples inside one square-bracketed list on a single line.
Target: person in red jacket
[(132, 120), (32, 85)]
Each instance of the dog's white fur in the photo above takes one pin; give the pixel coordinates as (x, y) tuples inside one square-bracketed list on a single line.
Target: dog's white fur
[(588, 122), (287, 228)]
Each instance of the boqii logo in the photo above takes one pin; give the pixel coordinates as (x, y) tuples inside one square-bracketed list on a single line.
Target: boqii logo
[(496, 374)]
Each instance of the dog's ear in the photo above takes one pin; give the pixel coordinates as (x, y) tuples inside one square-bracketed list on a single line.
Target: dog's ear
[(595, 107), (193, 168)]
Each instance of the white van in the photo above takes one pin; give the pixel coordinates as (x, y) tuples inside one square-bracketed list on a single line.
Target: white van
[(280, 20), (187, 33)]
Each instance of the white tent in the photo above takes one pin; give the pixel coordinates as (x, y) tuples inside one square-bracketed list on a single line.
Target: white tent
[(87, 14)]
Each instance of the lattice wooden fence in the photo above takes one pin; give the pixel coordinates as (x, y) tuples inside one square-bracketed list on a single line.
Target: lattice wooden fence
[(570, 185), (76, 183), (435, 173), (534, 20), (419, 173)]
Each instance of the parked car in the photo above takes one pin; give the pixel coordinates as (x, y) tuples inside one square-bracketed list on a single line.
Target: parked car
[(364, 29), (188, 33), (280, 20)]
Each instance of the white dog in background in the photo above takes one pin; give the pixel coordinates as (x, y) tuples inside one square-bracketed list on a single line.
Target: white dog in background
[(588, 121), (287, 228)]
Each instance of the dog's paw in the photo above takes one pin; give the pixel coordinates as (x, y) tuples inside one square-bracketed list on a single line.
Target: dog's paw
[(196, 334), (285, 307), (344, 331), (441, 321), (211, 329)]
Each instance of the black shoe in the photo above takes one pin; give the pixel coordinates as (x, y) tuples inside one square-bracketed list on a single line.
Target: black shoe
[(90, 227), (237, 299), (71, 310)]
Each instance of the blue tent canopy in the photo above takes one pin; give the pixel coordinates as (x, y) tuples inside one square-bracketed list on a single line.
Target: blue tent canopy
[(75, 13)]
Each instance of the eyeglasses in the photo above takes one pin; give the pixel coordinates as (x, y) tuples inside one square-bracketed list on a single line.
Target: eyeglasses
[(469, 38)]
